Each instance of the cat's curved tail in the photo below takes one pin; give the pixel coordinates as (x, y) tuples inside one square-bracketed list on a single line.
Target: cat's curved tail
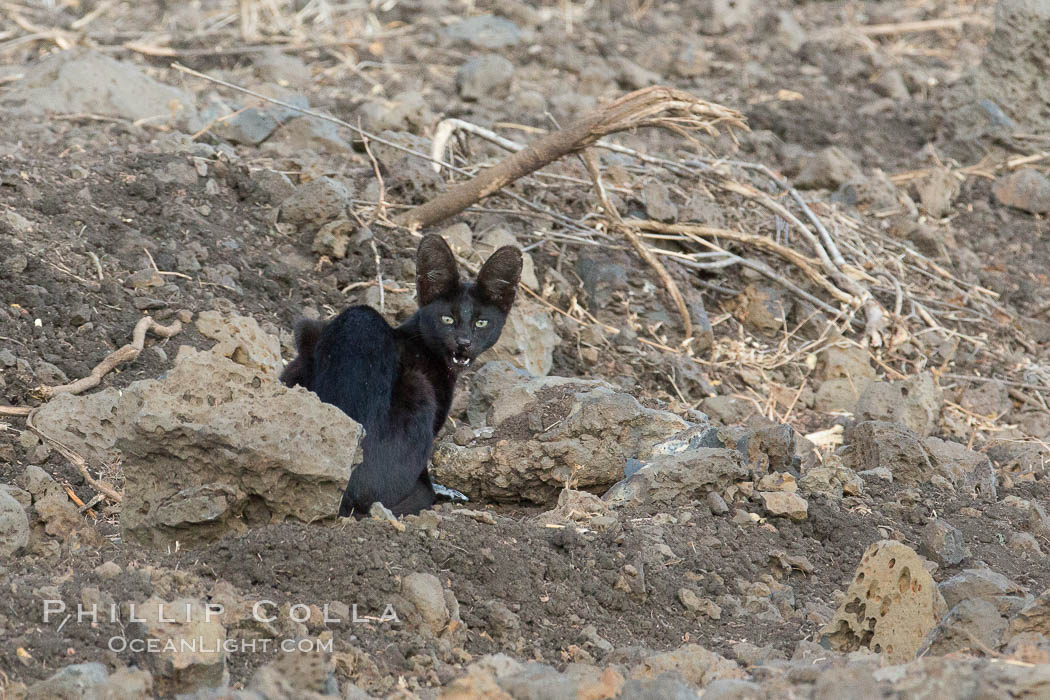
[(300, 371)]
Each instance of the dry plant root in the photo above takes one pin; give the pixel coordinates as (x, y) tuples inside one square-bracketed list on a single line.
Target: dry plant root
[(657, 106), (124, 354), (128, 353)]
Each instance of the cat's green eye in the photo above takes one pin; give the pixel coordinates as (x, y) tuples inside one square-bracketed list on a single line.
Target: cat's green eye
[(448, 320), (481, 323)]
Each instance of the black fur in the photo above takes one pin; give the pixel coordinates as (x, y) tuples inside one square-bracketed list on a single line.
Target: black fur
[(398, 382)]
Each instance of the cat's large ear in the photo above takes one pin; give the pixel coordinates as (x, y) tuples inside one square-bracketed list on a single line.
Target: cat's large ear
[(436, 273), (498, 279)]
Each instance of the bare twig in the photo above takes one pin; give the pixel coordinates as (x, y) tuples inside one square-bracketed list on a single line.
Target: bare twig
[(647, 255), (929, 25), (76, 460), (761, 242), (875, 316)]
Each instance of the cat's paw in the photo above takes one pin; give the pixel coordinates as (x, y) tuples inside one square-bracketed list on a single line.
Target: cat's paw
[(444, 493)]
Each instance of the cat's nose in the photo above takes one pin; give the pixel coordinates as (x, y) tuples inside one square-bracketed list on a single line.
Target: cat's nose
[(463, 343)]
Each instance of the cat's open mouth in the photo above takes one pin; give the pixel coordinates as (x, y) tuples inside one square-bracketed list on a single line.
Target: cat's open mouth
[(460, 360)]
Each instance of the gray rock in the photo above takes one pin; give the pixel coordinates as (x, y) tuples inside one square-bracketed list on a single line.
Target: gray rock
[(317, 201), (943, 543), (890, 83), (333, 239), (484, 32), (409, 170), (241, 339), (502, 622), (846, 682), (400, 305), (23, 497), (631, 75), (986, 398), (14, 525), (789, 33), (127, 684), (658, 204), (377, 511), (763, 309), (601, 278), (829, 169), (727, 410), (76, 681), (680, 478), (83, 80), (1024, 544), (408, 111), (716, 504), (836, 395), (282, 68), (692, 60), (1027, 189), (548, 432), (177, 171), (701, 435), (536, 680), (212, 447), (972, 584), (1033, 618), (528, 339), (180, 667), (666, 687), (575, 506), (693, 663), (968, 471), (484, 76), (495, 238), (937, 191), (1038, 521), (424, 591), (733, 689), (274, 185), (15, 264), (249, 126), (295, 675), (19, 225), (307, 138), (54, 509), (719, 16), (788, 505), (459, 238), (891, 446), (833, 480), (969, 623), (49, 374), (916, 402), (108, 570)]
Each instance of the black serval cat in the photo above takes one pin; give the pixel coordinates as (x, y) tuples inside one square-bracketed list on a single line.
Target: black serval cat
[(398, 382)]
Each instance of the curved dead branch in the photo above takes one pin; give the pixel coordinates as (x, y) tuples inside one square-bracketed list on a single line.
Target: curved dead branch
[(657, 106)]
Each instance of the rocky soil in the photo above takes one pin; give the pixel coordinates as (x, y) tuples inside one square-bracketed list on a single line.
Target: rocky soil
[(785, 505)]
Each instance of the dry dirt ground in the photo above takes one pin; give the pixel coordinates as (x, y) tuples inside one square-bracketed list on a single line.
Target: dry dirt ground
[(92, 202)]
